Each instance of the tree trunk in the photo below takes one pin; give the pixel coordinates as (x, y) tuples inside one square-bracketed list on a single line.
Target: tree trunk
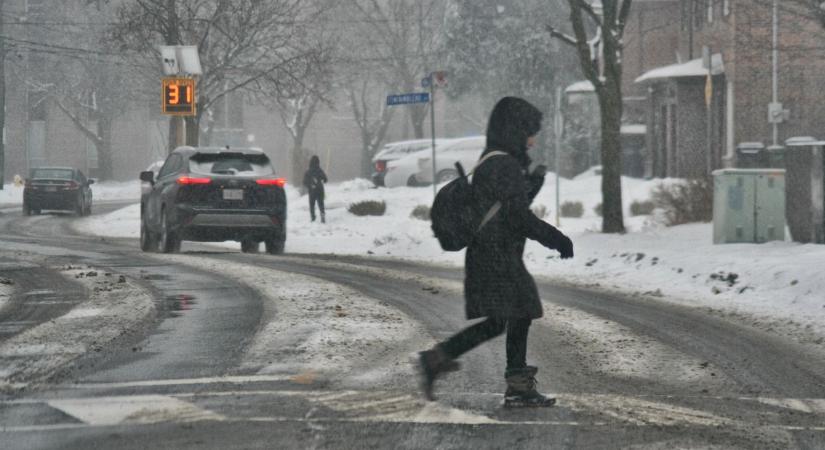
[(610, 101), (193, 130), (418, 116), (105, 159), (174, 123), (366, 154)]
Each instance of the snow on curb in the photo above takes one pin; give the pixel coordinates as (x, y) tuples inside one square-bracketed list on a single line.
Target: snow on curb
[(115, 307), (316, 329)]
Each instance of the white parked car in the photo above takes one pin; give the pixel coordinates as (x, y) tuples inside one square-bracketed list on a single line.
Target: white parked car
[(394, 151), (401, 172), (465, 151)]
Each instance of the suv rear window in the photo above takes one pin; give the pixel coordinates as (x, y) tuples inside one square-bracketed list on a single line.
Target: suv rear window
[(52, 174), (230, 164)]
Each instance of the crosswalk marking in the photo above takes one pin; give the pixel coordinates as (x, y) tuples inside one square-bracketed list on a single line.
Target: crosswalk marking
[(143, 409), (353, 406)]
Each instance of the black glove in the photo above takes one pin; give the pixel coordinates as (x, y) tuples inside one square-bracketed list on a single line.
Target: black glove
[(539, 171), (565, 246)]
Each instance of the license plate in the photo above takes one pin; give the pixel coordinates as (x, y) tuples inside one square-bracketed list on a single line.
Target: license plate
[(51, 189), (233, 194)]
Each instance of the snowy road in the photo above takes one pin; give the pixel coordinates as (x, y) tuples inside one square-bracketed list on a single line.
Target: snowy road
[(254, 351)]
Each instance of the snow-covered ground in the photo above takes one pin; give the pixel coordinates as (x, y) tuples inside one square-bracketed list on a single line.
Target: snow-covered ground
[(105, 191), (778, 280)]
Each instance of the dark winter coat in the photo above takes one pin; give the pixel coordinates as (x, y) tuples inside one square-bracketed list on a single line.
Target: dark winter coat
[(314, 178), (497, 283)]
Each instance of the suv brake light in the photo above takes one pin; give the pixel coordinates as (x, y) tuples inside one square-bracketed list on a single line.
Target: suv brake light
[(193, 180), (380, 166), (280, 182), (71, 185)]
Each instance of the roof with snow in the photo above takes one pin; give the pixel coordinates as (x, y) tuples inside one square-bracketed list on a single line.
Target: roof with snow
[(580, 87), (692, 68)]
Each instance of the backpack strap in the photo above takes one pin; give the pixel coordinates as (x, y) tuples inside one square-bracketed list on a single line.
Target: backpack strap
[(486, 157), (491, 213)]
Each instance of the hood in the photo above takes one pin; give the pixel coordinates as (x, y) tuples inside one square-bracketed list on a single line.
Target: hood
[(512, 121), (314, 162)]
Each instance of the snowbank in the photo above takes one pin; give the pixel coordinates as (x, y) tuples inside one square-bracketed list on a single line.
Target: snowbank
[(680, 264)]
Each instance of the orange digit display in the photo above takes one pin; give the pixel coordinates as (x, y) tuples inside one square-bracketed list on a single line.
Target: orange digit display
[(178, 96)]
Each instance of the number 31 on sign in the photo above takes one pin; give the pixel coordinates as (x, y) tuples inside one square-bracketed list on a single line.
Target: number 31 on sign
[(178, 97)]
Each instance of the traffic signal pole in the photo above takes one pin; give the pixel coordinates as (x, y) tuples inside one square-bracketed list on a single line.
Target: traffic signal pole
[(432, 130)]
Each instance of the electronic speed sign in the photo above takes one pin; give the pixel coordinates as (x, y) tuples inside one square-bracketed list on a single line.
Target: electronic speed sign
[(179, 96)]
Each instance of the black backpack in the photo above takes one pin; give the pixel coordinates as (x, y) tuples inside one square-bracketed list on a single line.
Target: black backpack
[(455, 216)]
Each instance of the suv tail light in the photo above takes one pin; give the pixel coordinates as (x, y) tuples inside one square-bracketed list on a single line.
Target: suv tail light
[(380, 166), (280, 182), (193, 180), (71, 185)]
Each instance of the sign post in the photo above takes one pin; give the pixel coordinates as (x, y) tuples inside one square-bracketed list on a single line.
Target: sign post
[(178, 95), (437, 79)]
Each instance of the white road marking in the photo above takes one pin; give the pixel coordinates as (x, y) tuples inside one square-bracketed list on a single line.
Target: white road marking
[(184, 382), (810, 405), (142, 409)]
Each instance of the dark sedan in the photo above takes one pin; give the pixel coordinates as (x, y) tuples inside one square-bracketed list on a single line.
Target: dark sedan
[(57, 188), (214, 195)]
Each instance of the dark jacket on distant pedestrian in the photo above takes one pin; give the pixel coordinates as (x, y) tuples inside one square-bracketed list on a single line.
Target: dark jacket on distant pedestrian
[(314, 178), (497, 283)]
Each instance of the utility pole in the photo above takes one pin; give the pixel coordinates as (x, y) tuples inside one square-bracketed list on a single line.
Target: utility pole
[(775, 64), (559, 129), (2, 100)]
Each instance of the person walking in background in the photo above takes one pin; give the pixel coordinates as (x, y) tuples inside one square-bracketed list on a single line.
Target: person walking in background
[(314, 180), (497, 285)]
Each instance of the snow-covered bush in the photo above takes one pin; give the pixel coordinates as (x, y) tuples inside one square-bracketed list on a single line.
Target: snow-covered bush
[(572, 209), (421, 212), (642, 207), (368, 208), (540, 211), (685, 202)]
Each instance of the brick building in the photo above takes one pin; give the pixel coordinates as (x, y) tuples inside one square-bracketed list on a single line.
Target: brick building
[(688, 137)]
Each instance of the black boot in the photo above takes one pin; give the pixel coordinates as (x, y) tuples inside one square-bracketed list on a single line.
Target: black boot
[(521, 389), (432, 364), (323, 218)]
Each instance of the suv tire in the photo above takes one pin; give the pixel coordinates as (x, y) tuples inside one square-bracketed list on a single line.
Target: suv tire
[(169, 242)]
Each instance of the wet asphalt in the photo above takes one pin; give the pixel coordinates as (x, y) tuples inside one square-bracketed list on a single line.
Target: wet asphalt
[(772, 397)]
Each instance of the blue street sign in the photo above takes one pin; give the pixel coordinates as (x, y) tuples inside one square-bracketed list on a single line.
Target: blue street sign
[(404, 99)]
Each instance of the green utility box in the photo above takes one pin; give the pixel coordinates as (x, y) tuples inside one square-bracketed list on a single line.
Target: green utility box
[(748, 205)]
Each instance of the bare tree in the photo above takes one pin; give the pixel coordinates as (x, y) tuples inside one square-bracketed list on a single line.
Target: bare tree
[(241, 43), (403, 35), (372, 115), (604, 70)]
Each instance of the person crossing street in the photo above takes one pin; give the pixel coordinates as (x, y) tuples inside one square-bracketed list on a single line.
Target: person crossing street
[(497, 286)]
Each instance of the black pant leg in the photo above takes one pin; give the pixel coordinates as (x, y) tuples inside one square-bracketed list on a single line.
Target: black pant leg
[(517, 330), (470, 337), (321, 204), (312, 200)]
